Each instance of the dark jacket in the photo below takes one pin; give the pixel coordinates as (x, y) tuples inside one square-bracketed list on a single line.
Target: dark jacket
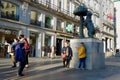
[(43, 48), (19, 52), (48, 49), (70, 54)]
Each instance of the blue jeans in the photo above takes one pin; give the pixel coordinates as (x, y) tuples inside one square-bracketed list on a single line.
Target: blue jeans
[(82, 63)]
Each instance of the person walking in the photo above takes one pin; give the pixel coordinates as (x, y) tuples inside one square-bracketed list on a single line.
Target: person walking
[(16, 40), (26, 49), (43, 50), (66, 50), (82, 56), (49, 51), (20, 56), (53, 52), (7, 49)]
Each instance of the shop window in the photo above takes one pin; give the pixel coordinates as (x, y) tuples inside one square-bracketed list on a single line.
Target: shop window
[(47, 43), (10, 11), (59, 25), (48, 40), (33, 38), (35, 18), (48, 21), (6, 35), (75, 30)]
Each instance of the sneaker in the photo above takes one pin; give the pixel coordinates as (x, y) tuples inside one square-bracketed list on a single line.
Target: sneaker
[(20, 75), (84, 69), (67, 66), (80, 68), (26, 66), (13, 66)]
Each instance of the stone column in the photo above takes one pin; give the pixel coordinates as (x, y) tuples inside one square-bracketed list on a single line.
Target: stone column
[(52, 44), (42, 42), (108, 43), (42, 20), (112, 43), (65, 4), (70, 7), (54, 23), (3, 38), (62, 4), (52, 2), (28, 34), (64, 26), (38, 46), (43, 38), (104, 46), (56, 2)]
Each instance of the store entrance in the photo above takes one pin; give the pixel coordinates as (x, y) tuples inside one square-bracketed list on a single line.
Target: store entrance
[(47, 43), (58, 46), (6, 35), (33, 38)]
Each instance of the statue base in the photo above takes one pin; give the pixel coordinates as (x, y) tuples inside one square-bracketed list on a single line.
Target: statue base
[(94, 50)]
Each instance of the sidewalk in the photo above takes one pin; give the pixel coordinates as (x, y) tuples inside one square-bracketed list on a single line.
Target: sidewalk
[(8, 73), (47, 69)]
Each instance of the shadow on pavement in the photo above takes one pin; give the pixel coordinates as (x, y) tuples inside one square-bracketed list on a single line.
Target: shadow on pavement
[(55, 71)]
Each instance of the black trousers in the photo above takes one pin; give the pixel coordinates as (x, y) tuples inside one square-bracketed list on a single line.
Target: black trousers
[(26, 58), (21, 67), (66, 62)]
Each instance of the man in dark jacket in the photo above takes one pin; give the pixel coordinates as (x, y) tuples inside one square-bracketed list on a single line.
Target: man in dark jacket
[(20, 56), (68, 51)]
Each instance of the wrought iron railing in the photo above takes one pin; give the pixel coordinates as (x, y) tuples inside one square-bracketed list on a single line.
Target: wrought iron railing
[(35, 22), (48, 26), (59, 28), (54, 7)]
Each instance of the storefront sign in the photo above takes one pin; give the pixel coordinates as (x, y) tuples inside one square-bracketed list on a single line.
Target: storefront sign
[(5, 31)]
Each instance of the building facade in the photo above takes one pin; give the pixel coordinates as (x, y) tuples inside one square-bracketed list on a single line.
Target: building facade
[(117, 5), (107, 30), (51, 22)]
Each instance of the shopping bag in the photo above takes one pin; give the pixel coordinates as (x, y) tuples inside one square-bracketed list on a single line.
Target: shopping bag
[(64, 56)]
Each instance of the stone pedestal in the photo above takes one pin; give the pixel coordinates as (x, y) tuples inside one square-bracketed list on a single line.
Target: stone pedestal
[(94, 50)]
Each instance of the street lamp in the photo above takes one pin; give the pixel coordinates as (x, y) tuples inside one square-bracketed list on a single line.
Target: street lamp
[(114, 27)]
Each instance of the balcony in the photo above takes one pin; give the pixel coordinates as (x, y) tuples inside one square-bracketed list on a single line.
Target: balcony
[(52, 8), (108, 23), (10, 16), (48, 26), (108, 33), (59, 29), (35, 1), (35, 22)]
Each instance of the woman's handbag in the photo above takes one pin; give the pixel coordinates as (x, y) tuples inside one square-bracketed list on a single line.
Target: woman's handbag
[(64, 56)]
